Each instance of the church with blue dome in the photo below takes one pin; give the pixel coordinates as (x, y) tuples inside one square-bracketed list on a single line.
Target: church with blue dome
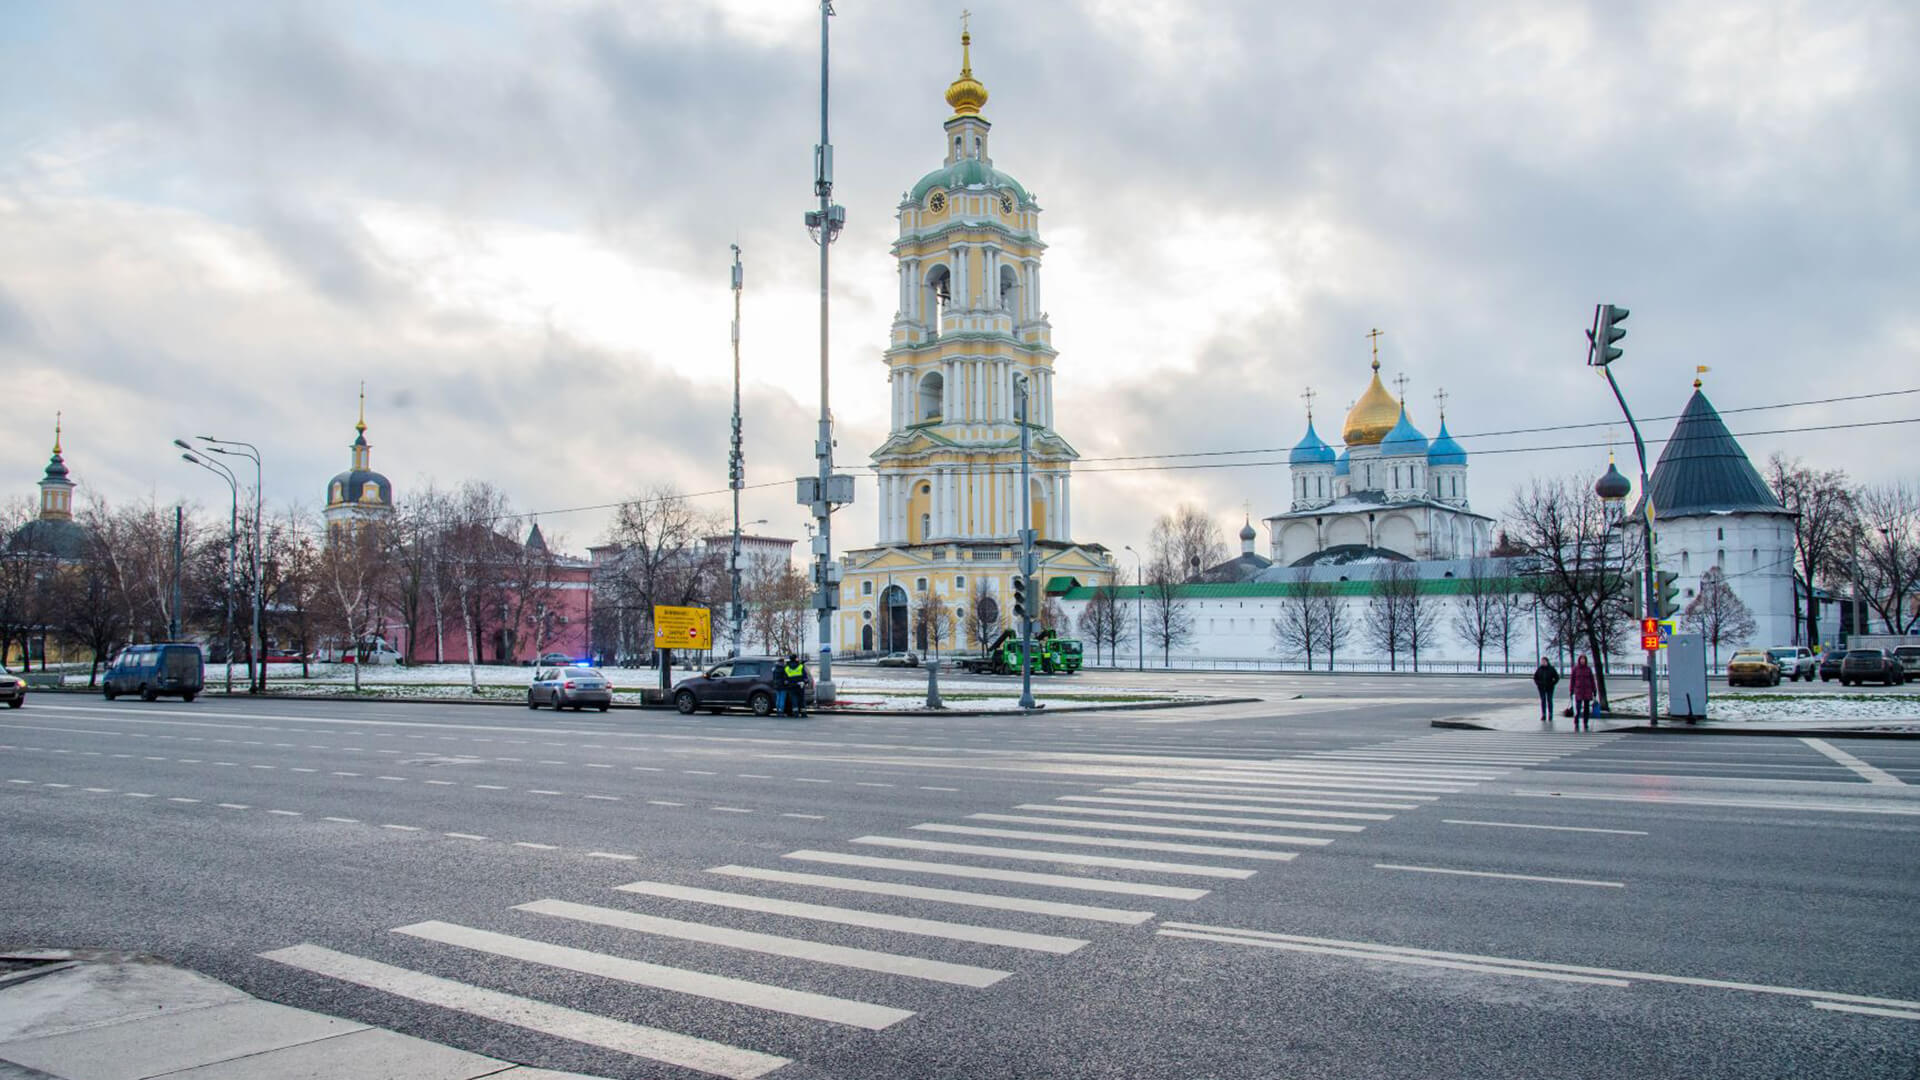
[(358, 496), (1388, 494)]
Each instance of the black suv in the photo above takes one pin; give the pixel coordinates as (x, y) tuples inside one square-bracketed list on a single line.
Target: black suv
[(745, 680), (1875, 665)]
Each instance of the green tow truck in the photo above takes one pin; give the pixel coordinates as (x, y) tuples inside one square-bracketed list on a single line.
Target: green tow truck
[(1052, 655)]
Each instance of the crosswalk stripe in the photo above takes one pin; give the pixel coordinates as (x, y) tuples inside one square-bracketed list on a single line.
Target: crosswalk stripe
[(887, 963), (1033, 855), (1172, 791), (1017, 877), (1319, 797), (1214, 819), (983, 935), (1157, 830), (951, 896), (1380, 771), (654, 1044), (1343, 815), (1130, 845), (1322, 780), (700, 984)]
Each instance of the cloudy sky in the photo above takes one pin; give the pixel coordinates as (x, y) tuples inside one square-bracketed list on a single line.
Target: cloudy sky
[(512, 219)]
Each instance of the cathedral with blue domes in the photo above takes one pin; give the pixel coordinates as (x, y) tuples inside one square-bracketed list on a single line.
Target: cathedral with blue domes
[(1390, 493)]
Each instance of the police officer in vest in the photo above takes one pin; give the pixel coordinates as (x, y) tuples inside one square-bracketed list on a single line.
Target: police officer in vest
[(794, 675)]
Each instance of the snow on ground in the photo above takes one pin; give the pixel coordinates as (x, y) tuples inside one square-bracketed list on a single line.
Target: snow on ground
[(1803, 708)]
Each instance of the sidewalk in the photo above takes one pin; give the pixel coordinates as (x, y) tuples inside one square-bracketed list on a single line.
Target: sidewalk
[(123, 1016), (1526, 717)]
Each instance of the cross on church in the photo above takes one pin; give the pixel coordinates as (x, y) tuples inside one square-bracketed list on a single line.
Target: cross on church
[(1374, 335), (1440, 397), (1400, 384), (1307, 396), (964, 16)]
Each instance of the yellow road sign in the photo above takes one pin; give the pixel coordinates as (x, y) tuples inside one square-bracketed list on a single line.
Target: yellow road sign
[(682, 628)]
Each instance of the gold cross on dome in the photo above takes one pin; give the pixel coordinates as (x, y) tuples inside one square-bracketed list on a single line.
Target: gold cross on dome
[(1374, 334)]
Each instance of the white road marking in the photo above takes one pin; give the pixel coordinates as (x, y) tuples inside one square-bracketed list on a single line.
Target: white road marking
[(1491, 874), (1397, 958), (1869, 773), (464, 836), (1101, 811), (611, 855), (984, 873), (1898, 1014), (1738, 804), (773, 944), (293, 769), (234, 806), (806, 817), (983, 935), (101, 790), (536, 847), (441, 783), (1551, 828), (731, 809), (285, 813), (343, 820), (663, 802), (699, 984), (139, 794), (1639, 976), (491, 787), (1129, 845), (346, 774), (672, 1048), (171, 798), (951, 896), (603, 798), (1194, 791), (924, 788), (1032, 855), (402, 828), (1290, 811), (542, 791)]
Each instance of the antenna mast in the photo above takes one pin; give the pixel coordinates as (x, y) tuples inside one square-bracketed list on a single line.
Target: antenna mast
[(736, 472)]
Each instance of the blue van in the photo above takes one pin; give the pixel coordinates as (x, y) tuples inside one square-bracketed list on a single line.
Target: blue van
[(153, 670)]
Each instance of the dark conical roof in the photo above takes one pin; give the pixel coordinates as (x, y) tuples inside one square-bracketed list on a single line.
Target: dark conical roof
[(1704, 471), (535, 540)]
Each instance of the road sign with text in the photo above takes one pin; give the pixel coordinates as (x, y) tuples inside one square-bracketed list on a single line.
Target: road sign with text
[(682, 628)]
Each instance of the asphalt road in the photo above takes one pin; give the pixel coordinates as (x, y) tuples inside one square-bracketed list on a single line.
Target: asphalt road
[(1316, 885)]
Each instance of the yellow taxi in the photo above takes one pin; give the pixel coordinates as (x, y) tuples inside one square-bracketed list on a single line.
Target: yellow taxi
[(1752, 667)]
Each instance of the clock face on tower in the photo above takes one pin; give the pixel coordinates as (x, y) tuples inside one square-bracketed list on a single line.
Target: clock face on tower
[(1006, 203), (937, 203)]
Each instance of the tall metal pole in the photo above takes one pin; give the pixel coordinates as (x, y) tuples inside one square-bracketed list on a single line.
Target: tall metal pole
[(737, 469), (825, 224), (1646, 532), (179, 527), (257, 662), (1027, 567), (1139, 610), (233, 538)]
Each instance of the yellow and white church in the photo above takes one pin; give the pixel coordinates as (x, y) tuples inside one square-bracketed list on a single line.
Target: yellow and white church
[(970, 330)]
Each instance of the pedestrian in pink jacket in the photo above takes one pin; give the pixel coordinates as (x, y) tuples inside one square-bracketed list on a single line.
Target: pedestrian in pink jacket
[(1585, 690)]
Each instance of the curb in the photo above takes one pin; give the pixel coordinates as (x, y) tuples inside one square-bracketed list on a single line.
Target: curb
[(1824, 733)]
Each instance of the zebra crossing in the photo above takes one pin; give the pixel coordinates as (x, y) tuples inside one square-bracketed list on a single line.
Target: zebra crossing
[(992, 895)]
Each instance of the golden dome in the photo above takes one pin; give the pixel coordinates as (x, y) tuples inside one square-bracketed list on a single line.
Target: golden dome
[(966, 95), (1373, 415)]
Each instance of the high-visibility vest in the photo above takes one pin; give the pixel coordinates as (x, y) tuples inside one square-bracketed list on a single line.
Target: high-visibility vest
[(796, 671)]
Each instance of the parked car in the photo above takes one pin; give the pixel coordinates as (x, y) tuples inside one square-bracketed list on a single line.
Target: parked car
[(1909, 657), (553, 659), (1751, 667), (172, 669), (1830, 664), (1871, 665), (899, 659), (579, 687), (13, 690), (1796, 662), (743, 681)]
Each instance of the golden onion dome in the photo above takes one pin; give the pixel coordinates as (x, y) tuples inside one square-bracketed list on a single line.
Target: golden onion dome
[(967, 94), (1373, 415)]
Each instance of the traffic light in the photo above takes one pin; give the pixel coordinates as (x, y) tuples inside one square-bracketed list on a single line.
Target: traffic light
[(1019, 598), (1650, 634), (1666, 594), (1607, 330)]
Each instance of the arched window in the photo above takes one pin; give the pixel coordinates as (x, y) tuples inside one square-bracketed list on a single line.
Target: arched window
[(866, 638), (932, 389), (939, 294), (1009, 288), (337, 489)]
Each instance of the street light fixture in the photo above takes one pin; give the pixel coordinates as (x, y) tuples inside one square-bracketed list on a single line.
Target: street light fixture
[(233, 540), (1139, 627), (251, 453)]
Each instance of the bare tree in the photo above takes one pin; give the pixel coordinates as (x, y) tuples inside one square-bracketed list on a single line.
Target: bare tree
[(1477, 616), (1297, 630), (1890, 553), (661, 559), (350, 572), (295, 561), (1389, 610), (933, 620), (983, 613), (1822, 504), (1717, 614), (1508, 607), (1329, 609), (1169, 622), (22, 587), (1188, 541), (1105, 621), (1584, 587)]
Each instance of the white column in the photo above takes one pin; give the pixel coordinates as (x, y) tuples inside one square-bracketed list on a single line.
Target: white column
[(1033, 279), (973, 503), (1066, 506)]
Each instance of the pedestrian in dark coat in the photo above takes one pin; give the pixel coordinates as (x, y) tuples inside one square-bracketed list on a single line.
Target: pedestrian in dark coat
[(1585, 689), (1545, 678)]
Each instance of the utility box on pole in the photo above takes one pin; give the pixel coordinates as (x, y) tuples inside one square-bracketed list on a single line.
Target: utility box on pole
[(1687, 676)]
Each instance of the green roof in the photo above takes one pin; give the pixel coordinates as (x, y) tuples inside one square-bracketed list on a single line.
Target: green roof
[(968, 172), (1250, 589)]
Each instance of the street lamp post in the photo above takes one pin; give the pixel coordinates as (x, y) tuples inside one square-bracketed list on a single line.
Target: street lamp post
[(251, 453), (233, 538), (1601, 353), (1027, 567), (825, 225), (1139, 626)]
